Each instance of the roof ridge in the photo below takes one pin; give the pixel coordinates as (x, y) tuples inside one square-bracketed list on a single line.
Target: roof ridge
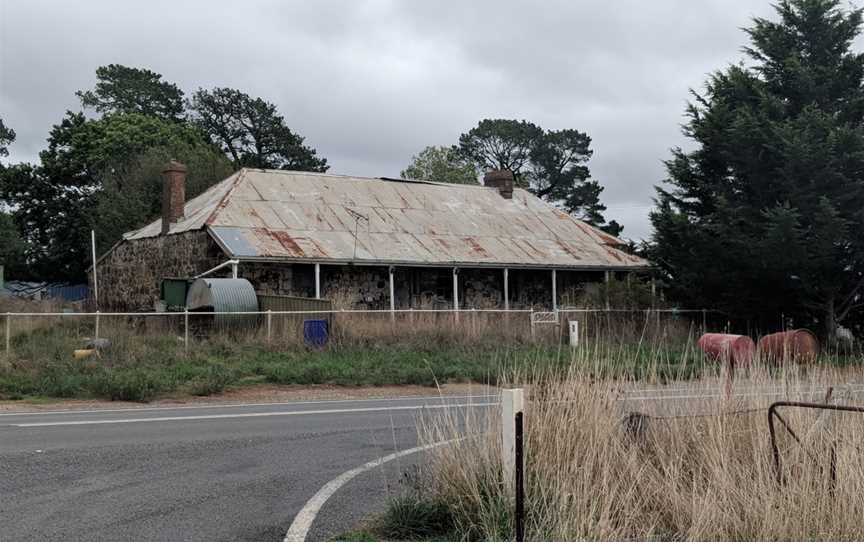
[(224, 199)]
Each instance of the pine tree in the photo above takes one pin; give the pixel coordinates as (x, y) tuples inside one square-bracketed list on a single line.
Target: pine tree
[(766, 216)]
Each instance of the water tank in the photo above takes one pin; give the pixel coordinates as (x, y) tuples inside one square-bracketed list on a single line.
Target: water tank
[(736, 349), (797, 346), (222, 297)]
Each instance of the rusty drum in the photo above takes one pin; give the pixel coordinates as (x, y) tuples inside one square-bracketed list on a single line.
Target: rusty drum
[(796, 346), (735, 349)]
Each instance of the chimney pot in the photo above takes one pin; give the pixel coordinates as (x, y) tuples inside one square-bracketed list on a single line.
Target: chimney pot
[(173, 194), (502, 179)]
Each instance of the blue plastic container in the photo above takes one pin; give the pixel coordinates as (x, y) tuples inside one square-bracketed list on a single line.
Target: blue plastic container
[(315, 332)]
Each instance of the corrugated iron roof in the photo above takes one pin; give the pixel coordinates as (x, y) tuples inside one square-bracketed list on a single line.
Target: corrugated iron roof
[(286, 215)]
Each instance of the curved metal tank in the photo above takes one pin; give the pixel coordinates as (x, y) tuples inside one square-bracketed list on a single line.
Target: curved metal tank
[(735, 349), (222, 297), (796, 346)]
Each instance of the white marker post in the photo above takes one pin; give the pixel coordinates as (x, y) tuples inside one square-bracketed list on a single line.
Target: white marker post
[(512, 402), (574, 333)]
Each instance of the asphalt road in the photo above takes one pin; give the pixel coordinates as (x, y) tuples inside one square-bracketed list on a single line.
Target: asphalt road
[(229, 472), (202, 473)]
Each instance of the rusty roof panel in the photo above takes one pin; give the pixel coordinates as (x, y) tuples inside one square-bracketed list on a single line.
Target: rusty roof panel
[(319, 217)]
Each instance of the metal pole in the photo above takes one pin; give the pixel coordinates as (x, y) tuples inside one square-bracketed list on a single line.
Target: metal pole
[(8, 330), (96, 333), (456, 293), (531, 317), (392, 296), (606, 280), (506, 289), (186, 331), (520, 479), (554, 291), (474, 322), (269, 325), (95, 280), (317, 281)]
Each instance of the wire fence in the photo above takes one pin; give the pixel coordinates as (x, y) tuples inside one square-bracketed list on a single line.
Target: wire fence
[(346, 325)]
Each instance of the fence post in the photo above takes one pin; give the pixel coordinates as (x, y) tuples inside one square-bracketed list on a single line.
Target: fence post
[(269, 325), (474, 321), (96, 332), (512, 402), (186, 331), (520, 477), (704, 321), (8, 330), (531, 319)]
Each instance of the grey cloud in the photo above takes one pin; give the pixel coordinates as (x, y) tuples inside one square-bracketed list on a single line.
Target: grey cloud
[(371, 83)]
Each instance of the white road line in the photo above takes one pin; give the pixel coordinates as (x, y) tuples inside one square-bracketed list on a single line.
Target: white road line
[(245, 405), (303, 520), (251, 415)]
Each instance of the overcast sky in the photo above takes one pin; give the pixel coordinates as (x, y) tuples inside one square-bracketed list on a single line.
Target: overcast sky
[(371, 83)]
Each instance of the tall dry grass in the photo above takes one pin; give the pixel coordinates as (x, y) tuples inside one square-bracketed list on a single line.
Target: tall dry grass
[(695, 469)]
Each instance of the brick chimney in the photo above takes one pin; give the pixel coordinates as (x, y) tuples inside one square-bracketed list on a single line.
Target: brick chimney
[(502, 179), (173, 194)]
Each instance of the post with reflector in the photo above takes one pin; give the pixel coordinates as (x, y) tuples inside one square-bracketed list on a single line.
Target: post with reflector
[(512, 402)]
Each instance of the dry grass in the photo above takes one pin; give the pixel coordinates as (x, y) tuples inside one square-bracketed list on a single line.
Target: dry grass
[(697, 472)]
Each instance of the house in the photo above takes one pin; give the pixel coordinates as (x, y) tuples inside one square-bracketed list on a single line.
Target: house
[(374, 243)]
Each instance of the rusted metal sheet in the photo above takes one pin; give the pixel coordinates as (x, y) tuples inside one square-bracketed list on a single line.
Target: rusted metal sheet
[(197, 211), (318, 217)]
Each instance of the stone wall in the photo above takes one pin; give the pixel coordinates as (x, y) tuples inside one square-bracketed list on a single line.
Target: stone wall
[(130, 274), (129, 279)]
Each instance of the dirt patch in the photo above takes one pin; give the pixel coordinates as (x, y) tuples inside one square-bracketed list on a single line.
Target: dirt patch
[(257, 394)]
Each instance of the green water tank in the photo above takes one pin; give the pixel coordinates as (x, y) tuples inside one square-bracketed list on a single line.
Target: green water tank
[(173, 293)]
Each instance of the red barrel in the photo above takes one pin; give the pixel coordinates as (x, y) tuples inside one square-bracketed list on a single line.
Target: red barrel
[(797, 346), (737, 349)]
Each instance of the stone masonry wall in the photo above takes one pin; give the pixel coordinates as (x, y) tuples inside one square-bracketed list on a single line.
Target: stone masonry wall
[(129, 279), (130, 274)]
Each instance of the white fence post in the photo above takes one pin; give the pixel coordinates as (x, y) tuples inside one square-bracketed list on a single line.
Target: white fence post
[(474, 321), (186, 331), (8, 330), (269, 325), (574, 333), (531, 319), (96, 332), (512, 402)]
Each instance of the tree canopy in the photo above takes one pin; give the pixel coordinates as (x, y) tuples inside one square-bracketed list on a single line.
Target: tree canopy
[(251, 131), (7, 136), (100, 174), (764, 217), (442, 165), (103, 172), (120, 89), (552, 164)]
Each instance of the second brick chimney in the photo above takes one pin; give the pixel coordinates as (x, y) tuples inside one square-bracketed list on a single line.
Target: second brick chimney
[(502, 179), (173, 194)]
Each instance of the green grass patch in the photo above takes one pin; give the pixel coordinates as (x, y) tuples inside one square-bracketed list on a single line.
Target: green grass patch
[(140, 367)]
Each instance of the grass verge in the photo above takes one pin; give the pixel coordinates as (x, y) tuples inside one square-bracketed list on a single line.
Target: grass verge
[(139, 366), (698, 472)]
